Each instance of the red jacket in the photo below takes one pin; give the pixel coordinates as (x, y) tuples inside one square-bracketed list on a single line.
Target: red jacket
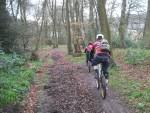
[(89, 48), (98, 50)]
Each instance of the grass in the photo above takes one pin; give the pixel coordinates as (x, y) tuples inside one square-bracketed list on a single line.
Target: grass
[(133, 56), (15, 78), (133, 91), (44, 79), (63, 48), (119, 53), (137, 56), (73, 59), (77, 60)]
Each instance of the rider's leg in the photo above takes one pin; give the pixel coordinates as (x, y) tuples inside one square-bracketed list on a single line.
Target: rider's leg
[(94, 63), (105, 66), (96, 60), (91, 55), (87, 56)]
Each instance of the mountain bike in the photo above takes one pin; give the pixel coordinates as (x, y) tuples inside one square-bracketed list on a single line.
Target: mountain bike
[(100, 80)]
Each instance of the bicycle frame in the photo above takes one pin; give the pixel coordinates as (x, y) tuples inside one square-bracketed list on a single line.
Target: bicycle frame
[(101, 83), (99, 68)]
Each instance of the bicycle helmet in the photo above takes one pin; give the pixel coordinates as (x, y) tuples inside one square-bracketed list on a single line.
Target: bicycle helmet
[(99, 36)]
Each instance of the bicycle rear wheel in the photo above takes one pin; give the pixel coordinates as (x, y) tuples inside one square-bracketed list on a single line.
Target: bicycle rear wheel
[(98, 83), (89, 66), (103, 87), (97, 79)]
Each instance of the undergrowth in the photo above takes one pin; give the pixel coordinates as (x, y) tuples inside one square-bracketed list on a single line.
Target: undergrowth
[(77, 60), (137, 95), (137, 56), (15, 78)]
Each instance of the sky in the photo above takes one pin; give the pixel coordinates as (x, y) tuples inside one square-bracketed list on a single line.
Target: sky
[(116, 13), (36, 1)]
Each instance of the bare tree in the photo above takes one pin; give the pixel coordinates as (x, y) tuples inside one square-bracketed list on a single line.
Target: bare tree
[(105, 29), (41, 25), (14, 11), (5, 40), (97, 22), (91, 35), (122, 25), (69, 41), (147, 28), (112, 5), (51, 5)]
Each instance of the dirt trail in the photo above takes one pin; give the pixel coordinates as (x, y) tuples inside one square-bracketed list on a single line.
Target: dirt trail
[(64, 87), (71, 89), (112, 104)]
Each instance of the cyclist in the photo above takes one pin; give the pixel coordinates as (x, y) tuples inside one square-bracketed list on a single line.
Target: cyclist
[(102, 54), (89, 50)]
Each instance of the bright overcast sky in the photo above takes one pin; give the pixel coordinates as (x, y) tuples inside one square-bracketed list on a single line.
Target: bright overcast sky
[(116, 13), (36, 1)]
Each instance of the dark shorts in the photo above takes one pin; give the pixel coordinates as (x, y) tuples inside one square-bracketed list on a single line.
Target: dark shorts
[(104, 60), (100, 59)]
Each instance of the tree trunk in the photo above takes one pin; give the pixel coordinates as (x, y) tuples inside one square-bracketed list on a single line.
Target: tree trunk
[(41, 26), (91, 36), (97, 24), (127, 21), (77, 28), (5, 42), (72, 14), (82, 18), (69, 41), (46, 29), (122, 25), (105, 29), (55, 38), (77, 10), (147, 28)]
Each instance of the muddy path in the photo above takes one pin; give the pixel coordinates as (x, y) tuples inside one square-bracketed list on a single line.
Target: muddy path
[(71, 89)]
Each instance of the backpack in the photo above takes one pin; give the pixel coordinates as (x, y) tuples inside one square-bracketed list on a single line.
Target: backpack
[(105, 45)]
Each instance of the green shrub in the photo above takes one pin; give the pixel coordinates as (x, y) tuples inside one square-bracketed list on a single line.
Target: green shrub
[(8, 61), (116, 42), (14, 85), (135, 92), (15, 78), (128, 42), (136, 56)]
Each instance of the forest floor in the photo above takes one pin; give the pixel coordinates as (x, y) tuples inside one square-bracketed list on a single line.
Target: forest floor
[(139, 73), (64, 87)]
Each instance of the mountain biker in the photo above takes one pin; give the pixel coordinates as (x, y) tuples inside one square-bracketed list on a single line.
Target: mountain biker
[(89, 50), (102, 54)]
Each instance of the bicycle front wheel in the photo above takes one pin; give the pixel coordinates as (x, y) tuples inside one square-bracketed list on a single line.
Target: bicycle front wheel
[(97, 83)]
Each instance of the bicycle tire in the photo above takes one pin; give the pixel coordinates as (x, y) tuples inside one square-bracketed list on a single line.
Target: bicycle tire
[(98, 83), (103, 87), (97, 79), (89, 66)]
